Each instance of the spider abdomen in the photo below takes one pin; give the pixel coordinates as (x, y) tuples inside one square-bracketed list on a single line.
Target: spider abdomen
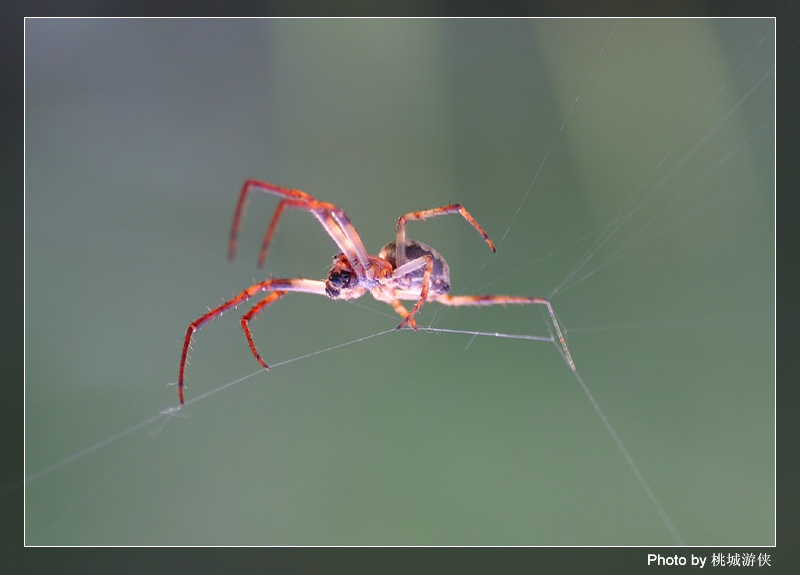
[(412, 281)]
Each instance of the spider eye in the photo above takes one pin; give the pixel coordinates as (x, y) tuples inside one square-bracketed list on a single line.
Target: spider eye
[(337, 281)]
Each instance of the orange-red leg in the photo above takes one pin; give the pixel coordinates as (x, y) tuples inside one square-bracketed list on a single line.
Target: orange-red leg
[(425, 214), (333, 220), (403, 312), (297, 195), (476, 300), (274, 285), (245, 321), (423, 294), (322, 215)]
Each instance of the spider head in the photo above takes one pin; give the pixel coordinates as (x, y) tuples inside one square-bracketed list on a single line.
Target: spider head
[(342, 282)]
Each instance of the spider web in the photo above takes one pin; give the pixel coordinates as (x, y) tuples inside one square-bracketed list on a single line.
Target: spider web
[(661, 205)]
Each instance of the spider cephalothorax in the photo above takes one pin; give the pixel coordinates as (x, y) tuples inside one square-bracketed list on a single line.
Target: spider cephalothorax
[(412, 271)]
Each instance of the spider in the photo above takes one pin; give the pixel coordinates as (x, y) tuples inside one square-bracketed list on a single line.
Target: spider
[(402, 270)]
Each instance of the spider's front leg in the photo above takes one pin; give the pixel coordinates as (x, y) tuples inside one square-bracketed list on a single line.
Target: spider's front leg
[(245, 321), (332, 219), (278, 287)]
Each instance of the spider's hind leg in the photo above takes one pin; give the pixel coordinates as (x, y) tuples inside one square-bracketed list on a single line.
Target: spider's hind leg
[(442, 211), (423, 294), (485, 300), (403, 312)]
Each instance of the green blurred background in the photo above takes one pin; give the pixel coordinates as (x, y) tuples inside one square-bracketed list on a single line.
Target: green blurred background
[(139, 134)]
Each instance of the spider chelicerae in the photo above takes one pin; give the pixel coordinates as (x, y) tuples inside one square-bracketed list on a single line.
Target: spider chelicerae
[(403, 269)]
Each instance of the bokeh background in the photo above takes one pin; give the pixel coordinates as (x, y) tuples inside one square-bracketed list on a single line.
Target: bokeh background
[(653, 137)]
